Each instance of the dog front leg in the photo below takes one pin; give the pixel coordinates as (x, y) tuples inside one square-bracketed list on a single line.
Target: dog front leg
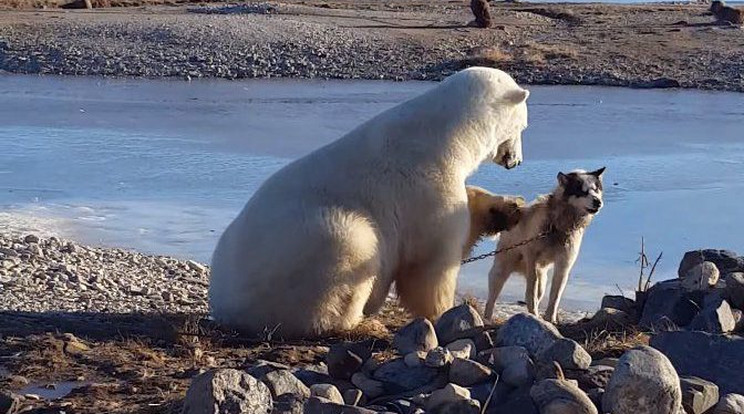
[(561, 272)]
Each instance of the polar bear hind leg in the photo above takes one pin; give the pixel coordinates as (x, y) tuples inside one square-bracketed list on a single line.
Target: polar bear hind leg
[(429, 290)]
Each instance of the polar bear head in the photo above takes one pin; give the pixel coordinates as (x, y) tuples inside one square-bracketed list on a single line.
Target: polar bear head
[(496, 111)]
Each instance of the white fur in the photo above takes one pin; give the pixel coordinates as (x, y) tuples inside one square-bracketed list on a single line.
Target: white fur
[(569, 216), (321, 242)]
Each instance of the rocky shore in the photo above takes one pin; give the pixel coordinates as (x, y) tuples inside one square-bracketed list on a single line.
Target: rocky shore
[(86, 329), (643, 46)]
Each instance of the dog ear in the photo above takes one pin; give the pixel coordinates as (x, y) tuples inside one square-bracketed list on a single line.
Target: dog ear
[(521, 202), (598, 173), (562, 179), (517, 96)]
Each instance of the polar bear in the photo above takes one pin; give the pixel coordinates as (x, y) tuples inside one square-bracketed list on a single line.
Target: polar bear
[(322, 241), (490, 214)]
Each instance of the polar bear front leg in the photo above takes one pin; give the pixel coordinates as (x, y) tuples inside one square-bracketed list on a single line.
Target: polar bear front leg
[(428, 290)]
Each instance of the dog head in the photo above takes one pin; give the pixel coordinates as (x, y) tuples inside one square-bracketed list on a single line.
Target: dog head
[(716, 6), (492, 213), (582, 190)]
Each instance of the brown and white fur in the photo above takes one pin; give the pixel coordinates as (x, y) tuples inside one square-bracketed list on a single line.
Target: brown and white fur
[(490, 214), (565, 215)]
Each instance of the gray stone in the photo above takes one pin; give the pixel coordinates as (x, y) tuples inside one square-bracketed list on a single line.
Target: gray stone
[(9, 403), (31, 238), (227, 391), (716, 358), (715, 317), (596, 376), (483, 341), (405, 378), (466, 373), (527, 331), (726, 261), (730, 404), (327, 391), (458, 407), (595, 395), (289, 404), (567, 353), (644, 382), (370, 387), (263, 367), (698, 395), (462, 348), (620, 303), (447, 394), (418, 335), (514, 365), (518, 401), (739, 318), (438, 357), (317, 405), (282, 382), (735, 289), (344, 359), (353, 396), (667, 306), (457, 322), (611, 318), (701, 276), (415, 359), (554, 396)]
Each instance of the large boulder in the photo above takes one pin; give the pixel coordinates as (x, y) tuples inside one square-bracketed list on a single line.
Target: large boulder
[(346, 358), (698, 395), (514, 365), (227, 391), (466, 373), (726, 261), (457, 323), (555, 396), (282, 382), (735, 289), (620, 303), (462, 348), (644, 381), (716, 358), (567, 353), (668, 305), (715, 317), (529, 332), (447, 394), (419, 335), (701, 277), (327, 391), (730, 404)]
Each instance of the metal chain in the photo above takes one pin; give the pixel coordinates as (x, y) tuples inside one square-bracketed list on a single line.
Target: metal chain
[(507, 248)]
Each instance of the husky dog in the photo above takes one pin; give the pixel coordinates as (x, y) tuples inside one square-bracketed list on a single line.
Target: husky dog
[(561, 217)]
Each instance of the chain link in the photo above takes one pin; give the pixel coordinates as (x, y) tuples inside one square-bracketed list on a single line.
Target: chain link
[(507, 248)]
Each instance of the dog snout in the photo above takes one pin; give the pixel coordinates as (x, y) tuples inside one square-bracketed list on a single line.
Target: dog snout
[(597, 203)]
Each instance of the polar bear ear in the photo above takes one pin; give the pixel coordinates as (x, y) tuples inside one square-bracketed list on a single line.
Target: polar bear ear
[(517, 96)]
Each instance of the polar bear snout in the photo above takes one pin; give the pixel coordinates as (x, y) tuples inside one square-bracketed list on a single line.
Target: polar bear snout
[(509, 153)]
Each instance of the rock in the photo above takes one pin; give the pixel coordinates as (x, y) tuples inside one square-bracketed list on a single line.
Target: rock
[(31, 238), (610, 362), (734, 292), (514, 365), (715, 317), (527, 331), (465, 372), (458, 407), (611, 318), (449, 393), (667, 304), (658, 83), (456, 322), (418, 335), (327, 391), (595, 395), (227, 391), (344, 359), (353, 396), (555, 396), (289, 404), (438, 357), (596, 376), (9, 403), (317, 405), (567, 353), (282, 382), (726, 261), (415, 359), (462, 348), (396, 372), (517, 402), (73, 346), (644, 382), (620, 303), (698, 395), (371, 388), (263, 367), (701, 276), (483, 341), (730, 404), (716, 358)]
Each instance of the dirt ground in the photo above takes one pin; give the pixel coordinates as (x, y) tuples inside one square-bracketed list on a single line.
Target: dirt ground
[(649, 45), (127, 363)]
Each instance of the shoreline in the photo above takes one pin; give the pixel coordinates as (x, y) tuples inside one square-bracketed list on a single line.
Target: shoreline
[(661, 45)]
